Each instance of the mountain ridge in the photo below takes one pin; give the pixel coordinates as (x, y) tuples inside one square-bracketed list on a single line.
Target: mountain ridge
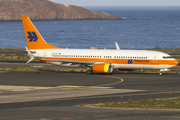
[(47, 10)]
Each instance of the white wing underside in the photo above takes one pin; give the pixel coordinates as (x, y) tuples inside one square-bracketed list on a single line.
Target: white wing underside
[(87, 63), (70, 61)]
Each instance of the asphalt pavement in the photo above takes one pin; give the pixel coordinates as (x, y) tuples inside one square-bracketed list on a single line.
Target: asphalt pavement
[(54, 95)]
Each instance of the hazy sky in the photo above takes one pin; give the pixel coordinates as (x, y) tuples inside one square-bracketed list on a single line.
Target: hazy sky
[(120, 2)]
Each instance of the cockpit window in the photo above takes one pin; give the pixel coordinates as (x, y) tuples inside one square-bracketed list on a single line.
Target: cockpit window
[(167, 57)]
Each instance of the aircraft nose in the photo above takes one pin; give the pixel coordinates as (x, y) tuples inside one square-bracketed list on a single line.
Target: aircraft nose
[(175, 62)]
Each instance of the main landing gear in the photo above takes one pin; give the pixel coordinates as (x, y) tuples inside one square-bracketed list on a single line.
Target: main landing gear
[(89, 72)]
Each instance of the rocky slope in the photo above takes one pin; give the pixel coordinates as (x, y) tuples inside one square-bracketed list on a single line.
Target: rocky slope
[(46, 10)]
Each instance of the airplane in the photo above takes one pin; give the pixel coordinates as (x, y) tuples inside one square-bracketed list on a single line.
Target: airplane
[(95, 60)]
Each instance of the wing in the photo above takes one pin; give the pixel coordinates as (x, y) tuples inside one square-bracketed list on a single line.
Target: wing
[(87, 63)]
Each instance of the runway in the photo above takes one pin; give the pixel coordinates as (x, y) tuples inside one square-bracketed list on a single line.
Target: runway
[(53, 95)]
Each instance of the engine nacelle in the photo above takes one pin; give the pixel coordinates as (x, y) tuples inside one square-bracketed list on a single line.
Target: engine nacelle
[(102, 68)]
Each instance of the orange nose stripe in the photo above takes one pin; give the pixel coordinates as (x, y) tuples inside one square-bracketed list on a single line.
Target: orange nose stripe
[(175, 62)]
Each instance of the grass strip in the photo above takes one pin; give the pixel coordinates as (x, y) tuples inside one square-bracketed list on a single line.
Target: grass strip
[(163, 103), (176, 57), (152, 71), (80, 70), (16, 56), (157, 48), (169, 50), (41, 69), (12, 49), (175, 50)]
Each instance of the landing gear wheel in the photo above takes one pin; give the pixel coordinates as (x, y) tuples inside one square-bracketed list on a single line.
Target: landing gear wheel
[(160, 73), (89, 72)]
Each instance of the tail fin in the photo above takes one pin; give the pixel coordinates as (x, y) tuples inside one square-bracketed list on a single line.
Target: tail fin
[(33, 37)]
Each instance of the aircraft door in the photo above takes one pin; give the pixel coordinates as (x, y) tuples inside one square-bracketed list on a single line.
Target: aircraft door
[(45, 55), (155, 58)]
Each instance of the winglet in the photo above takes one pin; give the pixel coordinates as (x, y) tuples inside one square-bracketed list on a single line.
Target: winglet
[(117, 46), (33, 37)]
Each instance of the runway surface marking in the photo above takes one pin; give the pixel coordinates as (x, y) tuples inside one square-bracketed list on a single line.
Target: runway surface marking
[(29, 88), (25, 93), (173, 92), (37, 66), (149, 82), (3, 71), (16, 88), (121, 80), (121, 96), (40, 95)]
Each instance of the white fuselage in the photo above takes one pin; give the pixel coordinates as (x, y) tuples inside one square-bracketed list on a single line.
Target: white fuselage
[(121, 59)]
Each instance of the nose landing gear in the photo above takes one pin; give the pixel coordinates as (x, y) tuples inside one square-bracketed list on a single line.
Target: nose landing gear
[(160, 73), (162, 70)]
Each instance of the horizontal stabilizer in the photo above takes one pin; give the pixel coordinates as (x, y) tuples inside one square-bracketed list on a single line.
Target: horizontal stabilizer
[(30, 55)]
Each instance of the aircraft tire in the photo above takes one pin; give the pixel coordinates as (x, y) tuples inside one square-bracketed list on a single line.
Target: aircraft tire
[(89, 72), (160, 73)]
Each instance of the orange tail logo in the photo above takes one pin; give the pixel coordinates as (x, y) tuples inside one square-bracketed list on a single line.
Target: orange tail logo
[(33, 37)]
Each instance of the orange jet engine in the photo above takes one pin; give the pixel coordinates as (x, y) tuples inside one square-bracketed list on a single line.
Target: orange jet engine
[(103, 68)]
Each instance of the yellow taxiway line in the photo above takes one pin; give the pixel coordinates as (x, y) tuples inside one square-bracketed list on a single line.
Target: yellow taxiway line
[(28, 88)]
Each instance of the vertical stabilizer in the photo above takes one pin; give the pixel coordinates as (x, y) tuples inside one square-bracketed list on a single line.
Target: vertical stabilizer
[(33, 37)]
